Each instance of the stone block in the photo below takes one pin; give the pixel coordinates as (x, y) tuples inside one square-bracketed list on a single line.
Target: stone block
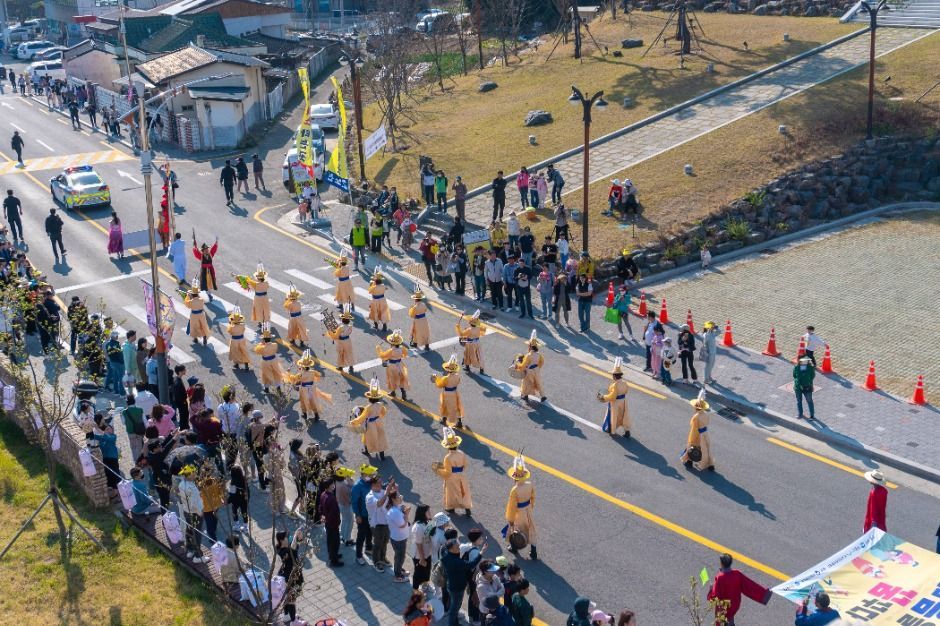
[(632, 43), (487, 86), (537, 118)]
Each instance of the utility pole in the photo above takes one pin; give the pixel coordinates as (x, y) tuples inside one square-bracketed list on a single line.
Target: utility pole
[(478, 18), (577, 97), (354, 67), (873, 16), (576, 21)]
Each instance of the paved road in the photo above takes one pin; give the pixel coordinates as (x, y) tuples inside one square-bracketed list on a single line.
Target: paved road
[(621, 521), (615, 155)]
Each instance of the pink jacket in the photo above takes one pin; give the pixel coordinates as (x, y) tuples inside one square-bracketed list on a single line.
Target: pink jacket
[(522, 180)]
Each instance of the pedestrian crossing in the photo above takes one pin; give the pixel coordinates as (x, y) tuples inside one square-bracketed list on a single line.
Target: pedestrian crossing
[(68, 160)]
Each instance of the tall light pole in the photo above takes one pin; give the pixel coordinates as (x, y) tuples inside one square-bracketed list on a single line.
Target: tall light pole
[(873, 15), (354, 66), (598, 101)]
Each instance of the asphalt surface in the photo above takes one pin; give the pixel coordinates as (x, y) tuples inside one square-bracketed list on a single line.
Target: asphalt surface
[(620, 521)]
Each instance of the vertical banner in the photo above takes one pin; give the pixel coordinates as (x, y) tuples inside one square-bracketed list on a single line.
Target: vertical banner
[(302, 169), (305, 88), (336, 170), (167, 314)]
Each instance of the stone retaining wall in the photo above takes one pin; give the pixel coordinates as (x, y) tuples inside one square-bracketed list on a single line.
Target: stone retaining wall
[(805, 8)]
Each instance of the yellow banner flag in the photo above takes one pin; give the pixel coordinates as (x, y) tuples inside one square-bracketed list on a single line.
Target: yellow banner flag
[(337, 173), (305, 87)]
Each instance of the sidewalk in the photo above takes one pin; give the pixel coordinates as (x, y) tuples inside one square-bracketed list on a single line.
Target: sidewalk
[(699, 116)]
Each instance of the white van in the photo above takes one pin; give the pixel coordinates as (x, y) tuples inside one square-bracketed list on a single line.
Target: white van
[(52, 69), (28, 49)]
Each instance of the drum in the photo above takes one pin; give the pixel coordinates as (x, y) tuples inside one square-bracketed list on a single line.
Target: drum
[(353, 414), (518, 540), (463, 341), (516, 373), (695, 454)]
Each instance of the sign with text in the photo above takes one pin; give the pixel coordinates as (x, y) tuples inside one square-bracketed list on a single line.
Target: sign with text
[(375, 142)]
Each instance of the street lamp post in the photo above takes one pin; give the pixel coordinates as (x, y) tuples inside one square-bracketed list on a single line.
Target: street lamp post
[(354, 66), (873, 16), (577, 97)]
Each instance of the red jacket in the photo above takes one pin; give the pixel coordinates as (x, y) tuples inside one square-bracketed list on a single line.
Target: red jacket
[(875, 511), (729, 585)]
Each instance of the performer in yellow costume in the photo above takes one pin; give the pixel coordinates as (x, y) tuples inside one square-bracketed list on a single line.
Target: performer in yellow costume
[(454, 472), (372, 418), (296, 328), (309, 395), (396, 374), (699, 437), (451, 407), (616, 398), (344, 288), (378, 306), (271, 371), (237, 344), (531, 366), (260, 304), (198, 324), (342, 338), (420, 328), (520, 514), (470, 339)]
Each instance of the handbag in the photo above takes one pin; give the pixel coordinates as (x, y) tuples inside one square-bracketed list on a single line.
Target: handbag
[(518, 540), (611, 315)]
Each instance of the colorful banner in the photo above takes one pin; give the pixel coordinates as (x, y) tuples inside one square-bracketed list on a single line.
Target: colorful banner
[(167, 314), (337, 173), (877, 579), (302, 170), (375, 142), (305, 88)]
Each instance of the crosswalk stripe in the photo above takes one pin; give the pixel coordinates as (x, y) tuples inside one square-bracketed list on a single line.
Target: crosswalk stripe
[(177, 354), (219, 347), (276, 284), (250, 335), (63, 161), (280, 320), (394, 306), (513, 391), (437, 345), (329, 299), (307, 278)]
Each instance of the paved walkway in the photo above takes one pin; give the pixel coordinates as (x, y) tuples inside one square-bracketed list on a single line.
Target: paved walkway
[(723, 108)]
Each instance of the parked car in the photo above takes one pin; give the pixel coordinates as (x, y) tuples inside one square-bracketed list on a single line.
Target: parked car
[(423, 14), (287, 175), (324, 116), (319, 139), (28, 49), (52, 54), (435, 22), (52, 69)]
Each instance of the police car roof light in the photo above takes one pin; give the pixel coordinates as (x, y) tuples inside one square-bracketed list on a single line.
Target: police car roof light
[(79, 168)]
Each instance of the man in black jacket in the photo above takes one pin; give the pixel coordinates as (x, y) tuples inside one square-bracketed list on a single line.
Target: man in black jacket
[(54, 230), (456, 571), (227, 180), (179, 398), (627, 268), (499, 196)]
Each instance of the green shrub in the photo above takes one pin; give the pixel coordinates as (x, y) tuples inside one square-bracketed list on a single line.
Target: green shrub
[(737, 229), (756, 198), (675, 251)]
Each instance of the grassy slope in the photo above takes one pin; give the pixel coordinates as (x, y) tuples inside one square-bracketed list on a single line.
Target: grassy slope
[(474, 134), (131, 584)]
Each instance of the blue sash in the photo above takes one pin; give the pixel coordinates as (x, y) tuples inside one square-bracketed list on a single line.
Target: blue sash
[(342, 280), (197, 312), (297, 314), (269, 358), (307, 384), (378, 297), (237, 337), (420, 316), (621, 396), (450, 389), (394, 361), (473, 340), (261, 293), (371, 419), (533, 366), (702, 430), (341, 338), (457, 470), (522, 505)]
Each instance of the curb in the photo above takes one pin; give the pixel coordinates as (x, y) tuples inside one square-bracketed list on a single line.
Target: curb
[(785, 239), (670, 111)]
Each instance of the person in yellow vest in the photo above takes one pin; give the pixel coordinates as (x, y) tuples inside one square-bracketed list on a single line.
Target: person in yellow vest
[(453, 469), (342, 338), (451, 406), (618, 416), (378, 306), (237, 344), (470, 339), (198, 327), (420, 328), (309, 395), (344, 288), (520, 514), (296, 329), (271, 371), (371, 418), (393, 359), (260, 304), (531, 367), (699, 437)]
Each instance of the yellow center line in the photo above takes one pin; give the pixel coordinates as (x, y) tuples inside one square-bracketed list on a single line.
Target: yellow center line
[(599, 372), (623, 504), (821, 459), (333, 255)]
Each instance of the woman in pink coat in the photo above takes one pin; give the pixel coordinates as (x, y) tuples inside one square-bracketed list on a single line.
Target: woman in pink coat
[(115, 236), (522, 183), (657, 352)]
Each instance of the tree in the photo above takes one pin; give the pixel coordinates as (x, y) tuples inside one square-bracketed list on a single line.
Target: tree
[(506, 18), (465, 31), (703, 613), (435, 43)]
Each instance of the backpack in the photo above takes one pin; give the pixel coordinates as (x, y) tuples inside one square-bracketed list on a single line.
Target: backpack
[(439, 575)]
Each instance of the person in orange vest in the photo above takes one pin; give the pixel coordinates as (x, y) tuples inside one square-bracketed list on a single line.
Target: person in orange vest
[(271, 371), (531, 366), (393, 359), (306, 380), (618, 416), (520, 506), (420, 328), (296, 329), (451, 406), (198, 327), (470, 340), (378, 306), (342, 338), (237, 344), (371, 418), (453, 469), (344, 289)]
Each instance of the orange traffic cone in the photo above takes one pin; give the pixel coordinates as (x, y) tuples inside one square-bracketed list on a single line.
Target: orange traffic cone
[(727, 340), (918, 397), (663, 313), (642, 310), (771, 349), (801, 351), (826, 367), (688, 321), (870, 384), (610, 294)]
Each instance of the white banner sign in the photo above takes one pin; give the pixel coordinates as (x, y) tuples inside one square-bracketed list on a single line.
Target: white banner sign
[(375, 142)]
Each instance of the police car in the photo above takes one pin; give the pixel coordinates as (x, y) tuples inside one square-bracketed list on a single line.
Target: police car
[(80, 186)]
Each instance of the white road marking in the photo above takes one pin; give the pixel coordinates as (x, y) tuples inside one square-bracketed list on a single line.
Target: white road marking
[(513, 392), (45, 145), (329, 299), (17, 127), (177, 354), (250, 335), (124, 174), (100, 282), (394, 306), (218, 347), (280, 320), (276, 284), (9, 106), (443, 343), (307, 278)]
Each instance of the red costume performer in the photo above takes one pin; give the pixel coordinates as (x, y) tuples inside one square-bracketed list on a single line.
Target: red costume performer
[(729, 585), (207, 271), (875, 511)]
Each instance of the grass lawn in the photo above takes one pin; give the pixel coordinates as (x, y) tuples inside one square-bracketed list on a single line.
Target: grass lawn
[(131, 584), (473, 134), (732, 160)]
